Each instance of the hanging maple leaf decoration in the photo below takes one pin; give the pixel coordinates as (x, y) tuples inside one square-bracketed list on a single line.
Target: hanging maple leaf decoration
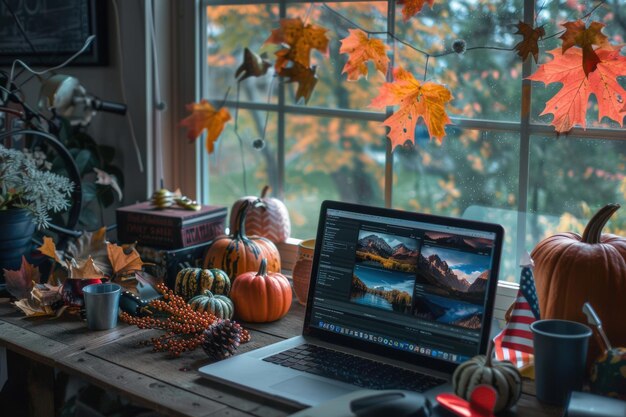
[(569, 104), (426, 100), (91, 244), (300, 39), (124, 262), (20, 283), (413, 7), (204, 116), (577, 34), (253, 65), (530, 43), (361, 49), (305, 77)]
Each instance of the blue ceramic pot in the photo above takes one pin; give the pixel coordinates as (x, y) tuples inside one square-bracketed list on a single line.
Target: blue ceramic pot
[(16, 233)]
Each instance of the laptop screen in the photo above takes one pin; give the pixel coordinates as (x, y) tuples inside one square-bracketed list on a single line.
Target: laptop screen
[(423, 285)]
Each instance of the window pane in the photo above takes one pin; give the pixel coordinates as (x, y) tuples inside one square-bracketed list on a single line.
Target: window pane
[(553, 15), (485, 83), (229, 30), (336, 159), (473, 175), (570, 179), (332, 89), (226, 168)]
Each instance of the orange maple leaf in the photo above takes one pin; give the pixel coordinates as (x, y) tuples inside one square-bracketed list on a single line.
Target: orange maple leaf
[(361, 49), (577, 34), (20, 282), (304, 76), (123, 262), (530, 43), (204, 116), (569, 104), (426, 100), (300, 38), (413, 7), (49, 249)]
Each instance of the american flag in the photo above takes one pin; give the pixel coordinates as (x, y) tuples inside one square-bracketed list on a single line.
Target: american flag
[(515, 342)]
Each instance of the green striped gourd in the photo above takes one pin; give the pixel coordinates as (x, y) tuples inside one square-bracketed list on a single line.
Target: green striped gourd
[(502, 376), (219, 305), (194, 281)]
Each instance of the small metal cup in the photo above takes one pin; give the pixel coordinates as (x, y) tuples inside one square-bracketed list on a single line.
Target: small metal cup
[(102, 305)]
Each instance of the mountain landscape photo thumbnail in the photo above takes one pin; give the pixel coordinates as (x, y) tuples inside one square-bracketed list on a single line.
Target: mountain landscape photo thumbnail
[(387, 251)]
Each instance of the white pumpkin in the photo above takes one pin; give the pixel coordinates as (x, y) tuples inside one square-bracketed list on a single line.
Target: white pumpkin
[(266, 217), (502, 376)]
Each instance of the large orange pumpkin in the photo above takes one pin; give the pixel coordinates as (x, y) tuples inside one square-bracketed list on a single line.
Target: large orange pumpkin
[(267, 217), (571, 269), (238, 253), (260, 297)]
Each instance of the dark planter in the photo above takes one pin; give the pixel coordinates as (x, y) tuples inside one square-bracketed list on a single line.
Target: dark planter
[(16, 233)]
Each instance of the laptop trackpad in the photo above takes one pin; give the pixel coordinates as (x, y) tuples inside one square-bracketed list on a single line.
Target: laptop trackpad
[(302, 386)]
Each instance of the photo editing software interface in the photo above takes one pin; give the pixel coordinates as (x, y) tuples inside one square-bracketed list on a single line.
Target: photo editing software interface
[(412, 286)]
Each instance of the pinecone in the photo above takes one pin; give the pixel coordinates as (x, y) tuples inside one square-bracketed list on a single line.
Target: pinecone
[(222, 339)]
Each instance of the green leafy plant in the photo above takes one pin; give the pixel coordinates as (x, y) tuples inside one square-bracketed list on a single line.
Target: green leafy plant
[(23, 184)]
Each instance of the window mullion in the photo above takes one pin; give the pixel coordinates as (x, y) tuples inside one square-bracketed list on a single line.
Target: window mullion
[(280, 146), (391, 28), (524, 161)]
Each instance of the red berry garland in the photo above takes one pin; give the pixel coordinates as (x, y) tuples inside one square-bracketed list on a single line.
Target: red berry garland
[(184, 327)]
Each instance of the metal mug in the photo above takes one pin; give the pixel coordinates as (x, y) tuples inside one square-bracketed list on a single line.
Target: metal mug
[(102, 305)]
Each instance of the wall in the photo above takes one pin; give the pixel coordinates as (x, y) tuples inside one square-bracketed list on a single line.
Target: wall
[(104, 82)]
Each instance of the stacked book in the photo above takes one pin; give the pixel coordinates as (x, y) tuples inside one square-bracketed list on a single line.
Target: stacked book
[(170, 237)]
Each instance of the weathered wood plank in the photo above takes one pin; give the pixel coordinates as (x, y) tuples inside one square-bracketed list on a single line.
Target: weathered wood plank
[(182, 372), (30, 344), (157, 394), (288, 326)]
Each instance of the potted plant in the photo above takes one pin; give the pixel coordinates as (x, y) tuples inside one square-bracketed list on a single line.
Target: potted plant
[(28, 192)]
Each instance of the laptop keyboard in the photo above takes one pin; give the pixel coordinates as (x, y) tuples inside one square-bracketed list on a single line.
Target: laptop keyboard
[(352, 369)]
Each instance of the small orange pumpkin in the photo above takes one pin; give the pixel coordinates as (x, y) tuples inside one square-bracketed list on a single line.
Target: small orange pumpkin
[(238, 253), (267, 217), (261, 297), (571, 269)]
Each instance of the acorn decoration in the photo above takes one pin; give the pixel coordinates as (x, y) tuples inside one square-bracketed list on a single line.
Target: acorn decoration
[(222, 339), (162, 199)]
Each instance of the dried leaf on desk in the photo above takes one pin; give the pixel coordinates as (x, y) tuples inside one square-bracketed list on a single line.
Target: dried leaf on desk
[(31, 308), (300, 39), (205, 116), (49, 249), (20, 283), (361, 49), (253, 65), (577, 34), (530, 43), (413, 7), (415, 100), (123, 262), (86, 269), (569, 105), (305, 77), (91, 244)]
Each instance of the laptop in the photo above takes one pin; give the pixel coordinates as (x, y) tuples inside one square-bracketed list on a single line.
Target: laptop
[(396, 301)]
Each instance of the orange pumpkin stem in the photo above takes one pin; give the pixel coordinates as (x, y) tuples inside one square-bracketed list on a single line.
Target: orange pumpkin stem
[(262, 268), (240, 220), (593, 230)]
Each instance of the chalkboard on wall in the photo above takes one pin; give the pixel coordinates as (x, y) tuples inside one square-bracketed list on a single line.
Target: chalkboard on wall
[(52, 31)]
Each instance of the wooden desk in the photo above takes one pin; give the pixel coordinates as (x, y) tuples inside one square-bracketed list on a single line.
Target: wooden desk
[(113, 360)]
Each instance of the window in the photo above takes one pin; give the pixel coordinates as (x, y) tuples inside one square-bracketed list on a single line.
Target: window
[(499, 162)]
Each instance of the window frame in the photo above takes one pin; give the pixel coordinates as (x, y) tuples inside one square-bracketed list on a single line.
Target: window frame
[(525, 127)]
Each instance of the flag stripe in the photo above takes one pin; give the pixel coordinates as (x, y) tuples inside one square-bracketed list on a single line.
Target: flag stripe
[(516, 318), (510, 333)]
